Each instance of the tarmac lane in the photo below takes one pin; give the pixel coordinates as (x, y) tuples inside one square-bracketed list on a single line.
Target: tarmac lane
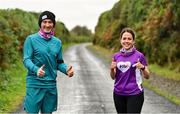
[(91, 88)]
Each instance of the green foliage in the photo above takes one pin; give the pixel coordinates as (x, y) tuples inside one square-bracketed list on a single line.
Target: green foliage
[(13, 89), (8, 47), (62, 32), (20, 23), (81, 31), (157, 26), (81, 34)]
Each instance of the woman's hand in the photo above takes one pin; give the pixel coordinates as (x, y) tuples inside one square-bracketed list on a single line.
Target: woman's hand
[(113, 69), (139, 65), (143, 68)]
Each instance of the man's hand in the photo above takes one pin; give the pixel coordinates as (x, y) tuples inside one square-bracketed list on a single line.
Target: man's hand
[(70, 71), (41, 71)]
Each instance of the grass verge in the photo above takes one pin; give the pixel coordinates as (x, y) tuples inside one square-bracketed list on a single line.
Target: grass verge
[(11, 96), (165, 72)]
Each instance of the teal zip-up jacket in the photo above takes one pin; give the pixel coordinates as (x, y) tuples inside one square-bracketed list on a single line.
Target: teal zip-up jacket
[(38, 51)]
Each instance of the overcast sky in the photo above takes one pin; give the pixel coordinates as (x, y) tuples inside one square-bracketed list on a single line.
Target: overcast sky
[(70, 12)]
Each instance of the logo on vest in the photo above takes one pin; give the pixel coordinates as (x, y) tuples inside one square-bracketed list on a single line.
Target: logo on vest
[(123, 66)]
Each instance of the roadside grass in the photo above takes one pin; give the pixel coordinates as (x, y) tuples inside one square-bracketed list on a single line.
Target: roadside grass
[(161, 71), (11, 96), (165, 72)]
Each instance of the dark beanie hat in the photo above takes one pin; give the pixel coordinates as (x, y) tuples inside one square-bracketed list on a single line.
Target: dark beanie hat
[(47, 15)]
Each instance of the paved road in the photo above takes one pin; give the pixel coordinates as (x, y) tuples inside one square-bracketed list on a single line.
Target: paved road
[(90, 90)]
